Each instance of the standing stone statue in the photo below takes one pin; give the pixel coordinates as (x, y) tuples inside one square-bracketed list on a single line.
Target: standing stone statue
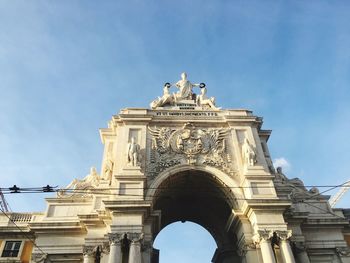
[(248, 153), (203, 100), (185, 88), (133, 152), (108, 170)]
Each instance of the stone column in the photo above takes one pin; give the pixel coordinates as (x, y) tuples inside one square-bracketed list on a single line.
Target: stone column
[(286, 250), (248, 253), (263, 239), (303, 257), (115, 250), (89, 254), (135, 247), (301, 254)]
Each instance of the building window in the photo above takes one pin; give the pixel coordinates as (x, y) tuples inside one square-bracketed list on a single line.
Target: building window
[(11, 249)]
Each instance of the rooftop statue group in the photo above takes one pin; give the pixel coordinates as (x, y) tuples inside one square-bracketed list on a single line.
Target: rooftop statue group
[(185, 92)]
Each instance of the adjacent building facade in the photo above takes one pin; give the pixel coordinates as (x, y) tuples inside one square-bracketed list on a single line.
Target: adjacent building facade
[(183, 159)]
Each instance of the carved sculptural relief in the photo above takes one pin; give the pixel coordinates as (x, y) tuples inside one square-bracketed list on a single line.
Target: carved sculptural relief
[(184, 94), (189, 145)]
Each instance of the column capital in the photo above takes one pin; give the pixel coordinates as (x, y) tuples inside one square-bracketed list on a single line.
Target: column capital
[(89, 251), (243, 249), (284, 235), (38, 257), (299, 246), (116, 238), (262, 235), (135, 237), (343, 251)]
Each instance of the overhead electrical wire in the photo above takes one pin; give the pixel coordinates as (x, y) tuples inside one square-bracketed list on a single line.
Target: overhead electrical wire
[(48, 188), (24, 233), (199, 190)]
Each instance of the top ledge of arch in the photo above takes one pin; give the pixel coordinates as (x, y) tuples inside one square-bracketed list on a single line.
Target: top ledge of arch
[(149, 114)]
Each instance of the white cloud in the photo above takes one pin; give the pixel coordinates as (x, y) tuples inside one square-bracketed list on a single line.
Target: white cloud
[(282, 162)]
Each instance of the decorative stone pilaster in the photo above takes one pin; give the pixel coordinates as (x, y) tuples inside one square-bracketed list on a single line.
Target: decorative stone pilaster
[(263, 238), (89, 254), (135, 247), (115, 250), (286, 250)]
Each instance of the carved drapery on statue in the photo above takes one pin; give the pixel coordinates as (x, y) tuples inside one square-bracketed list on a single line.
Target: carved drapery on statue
[(184, 95), (83, 187), (189, 145), (295, 187), (248, 153), (133, 153)]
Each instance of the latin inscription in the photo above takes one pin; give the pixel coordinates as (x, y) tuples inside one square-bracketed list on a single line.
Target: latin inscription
[(198, 114)]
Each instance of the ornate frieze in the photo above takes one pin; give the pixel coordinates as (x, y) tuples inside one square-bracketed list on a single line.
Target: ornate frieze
[(189, 145)]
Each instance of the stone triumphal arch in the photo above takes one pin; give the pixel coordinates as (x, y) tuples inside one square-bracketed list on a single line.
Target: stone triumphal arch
[(185, 159)]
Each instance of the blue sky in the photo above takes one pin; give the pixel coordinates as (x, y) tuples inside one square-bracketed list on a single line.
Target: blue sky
[(67, 66)]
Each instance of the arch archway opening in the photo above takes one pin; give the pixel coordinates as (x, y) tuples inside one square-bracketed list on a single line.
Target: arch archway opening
[(199, 197), (185, 242)]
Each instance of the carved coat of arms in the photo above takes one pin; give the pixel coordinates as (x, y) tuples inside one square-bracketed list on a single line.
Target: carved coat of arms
[(189, 145)]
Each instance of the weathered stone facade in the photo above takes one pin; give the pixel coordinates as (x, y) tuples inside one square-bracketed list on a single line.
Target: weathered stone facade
[(187, 161)]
